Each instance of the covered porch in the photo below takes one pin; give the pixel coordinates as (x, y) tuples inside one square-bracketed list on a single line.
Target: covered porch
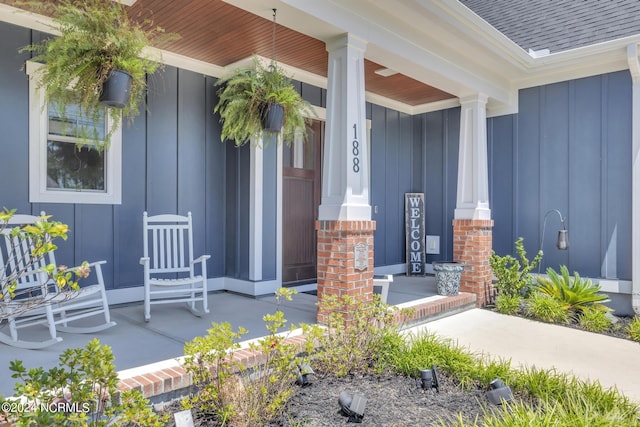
[(142, 348)]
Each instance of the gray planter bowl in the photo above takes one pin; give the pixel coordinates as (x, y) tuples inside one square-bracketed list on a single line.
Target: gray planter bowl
[(448, 275)]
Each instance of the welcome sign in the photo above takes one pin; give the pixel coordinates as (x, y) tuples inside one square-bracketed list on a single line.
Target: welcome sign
[(415, 233)]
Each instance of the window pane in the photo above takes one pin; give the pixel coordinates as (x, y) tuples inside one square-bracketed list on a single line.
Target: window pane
[(299, 153), (72, 167), (75, 124)]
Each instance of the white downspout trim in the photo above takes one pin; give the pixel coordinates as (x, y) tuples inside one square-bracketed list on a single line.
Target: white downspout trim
[(634, 69)]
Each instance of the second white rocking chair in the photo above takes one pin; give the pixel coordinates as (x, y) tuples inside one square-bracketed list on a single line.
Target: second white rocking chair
[(169, 266)]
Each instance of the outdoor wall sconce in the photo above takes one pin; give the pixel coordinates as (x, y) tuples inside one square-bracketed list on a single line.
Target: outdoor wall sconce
[(563, 234), (352, 406), (499, 392), (303, 375), (429, 379)]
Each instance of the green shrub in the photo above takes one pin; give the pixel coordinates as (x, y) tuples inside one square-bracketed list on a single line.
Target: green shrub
[(508, 304), (546, 308), (633, 329), (575, 293), (356, 331), (514, 275), (83, 389), (594, 319), (228, 392)]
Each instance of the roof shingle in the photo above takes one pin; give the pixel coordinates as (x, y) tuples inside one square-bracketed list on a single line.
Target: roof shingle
[(559, 25)]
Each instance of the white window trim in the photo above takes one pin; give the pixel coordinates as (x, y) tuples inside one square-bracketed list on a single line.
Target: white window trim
[(38, 122)]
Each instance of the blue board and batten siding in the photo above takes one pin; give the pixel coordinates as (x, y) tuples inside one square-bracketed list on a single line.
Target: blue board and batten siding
[(568, 148), (173, 161), (413, 154)]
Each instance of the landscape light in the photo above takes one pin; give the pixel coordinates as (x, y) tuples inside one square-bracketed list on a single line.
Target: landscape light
[(499, 392), (429, 379), (352, 406), (303, 375)]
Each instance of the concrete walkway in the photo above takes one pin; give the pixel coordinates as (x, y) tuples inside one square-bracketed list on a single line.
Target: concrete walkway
[(613, 362)]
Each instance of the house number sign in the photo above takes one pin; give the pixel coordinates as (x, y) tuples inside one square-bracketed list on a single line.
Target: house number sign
[(360, 256), (355, 149)]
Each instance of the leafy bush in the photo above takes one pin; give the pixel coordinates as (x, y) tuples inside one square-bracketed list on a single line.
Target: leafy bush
[(546, 308), (514, 275), (40, 236), (508, 304), (81, 391), (355, 333), (228, 392), (594, 319), (575, 293), (634, 329)]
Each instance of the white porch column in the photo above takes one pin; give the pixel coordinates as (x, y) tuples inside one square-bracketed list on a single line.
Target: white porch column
[(473, 174), (345, 178), (634, 69), (256, 201), (344, 226)]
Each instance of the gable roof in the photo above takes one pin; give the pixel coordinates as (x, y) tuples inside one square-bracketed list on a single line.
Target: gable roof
[(559, 25)]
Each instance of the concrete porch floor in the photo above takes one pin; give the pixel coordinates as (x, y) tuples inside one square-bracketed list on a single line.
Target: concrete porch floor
[(135, 343)]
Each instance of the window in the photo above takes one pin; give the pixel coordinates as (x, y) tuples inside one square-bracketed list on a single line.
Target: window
[(63, 167)]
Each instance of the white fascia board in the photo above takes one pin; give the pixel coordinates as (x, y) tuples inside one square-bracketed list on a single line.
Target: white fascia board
[(389, 46), (26, 19), (576, 63), (468, 22)]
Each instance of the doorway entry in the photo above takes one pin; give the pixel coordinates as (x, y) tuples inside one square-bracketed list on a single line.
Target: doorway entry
[(301, 194)]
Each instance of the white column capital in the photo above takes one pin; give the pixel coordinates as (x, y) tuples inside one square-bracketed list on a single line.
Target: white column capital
[(477, 98), (346, 40)]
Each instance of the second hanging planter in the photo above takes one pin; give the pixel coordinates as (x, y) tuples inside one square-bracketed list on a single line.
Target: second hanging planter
[(272, 118)]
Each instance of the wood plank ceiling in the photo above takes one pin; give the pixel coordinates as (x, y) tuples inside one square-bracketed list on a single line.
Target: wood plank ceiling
[(218, 33)]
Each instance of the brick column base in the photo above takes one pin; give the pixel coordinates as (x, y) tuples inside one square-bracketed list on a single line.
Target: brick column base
[(337, 273), (472, 246)]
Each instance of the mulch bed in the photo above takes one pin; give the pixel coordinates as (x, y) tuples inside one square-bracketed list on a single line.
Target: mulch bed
[(392, 400)]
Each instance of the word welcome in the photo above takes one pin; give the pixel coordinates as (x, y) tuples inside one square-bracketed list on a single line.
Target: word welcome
[(414, 216)]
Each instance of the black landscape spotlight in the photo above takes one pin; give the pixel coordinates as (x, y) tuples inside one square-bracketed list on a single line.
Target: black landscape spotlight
[(303, 375), (499, 392), (352, 406), (429, 379)]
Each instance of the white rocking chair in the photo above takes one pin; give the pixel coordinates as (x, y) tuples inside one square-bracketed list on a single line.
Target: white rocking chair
[(169, 267), (43, 302)]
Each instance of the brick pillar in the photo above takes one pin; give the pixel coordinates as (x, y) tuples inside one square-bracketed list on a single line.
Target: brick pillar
[(472, 247), (337, 273)]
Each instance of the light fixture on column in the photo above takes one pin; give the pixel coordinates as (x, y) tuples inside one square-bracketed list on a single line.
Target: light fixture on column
[(563, 234)]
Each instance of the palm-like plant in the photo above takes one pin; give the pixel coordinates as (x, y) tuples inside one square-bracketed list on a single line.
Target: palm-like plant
[(575, 293)]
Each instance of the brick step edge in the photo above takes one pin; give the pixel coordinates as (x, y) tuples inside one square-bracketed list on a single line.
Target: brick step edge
[(176, 381)]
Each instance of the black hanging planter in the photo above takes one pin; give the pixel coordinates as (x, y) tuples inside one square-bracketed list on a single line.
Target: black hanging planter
[(272, 118), (116, 89)]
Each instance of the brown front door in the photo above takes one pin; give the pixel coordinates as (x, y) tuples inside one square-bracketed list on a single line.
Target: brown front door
[(301, 198)]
